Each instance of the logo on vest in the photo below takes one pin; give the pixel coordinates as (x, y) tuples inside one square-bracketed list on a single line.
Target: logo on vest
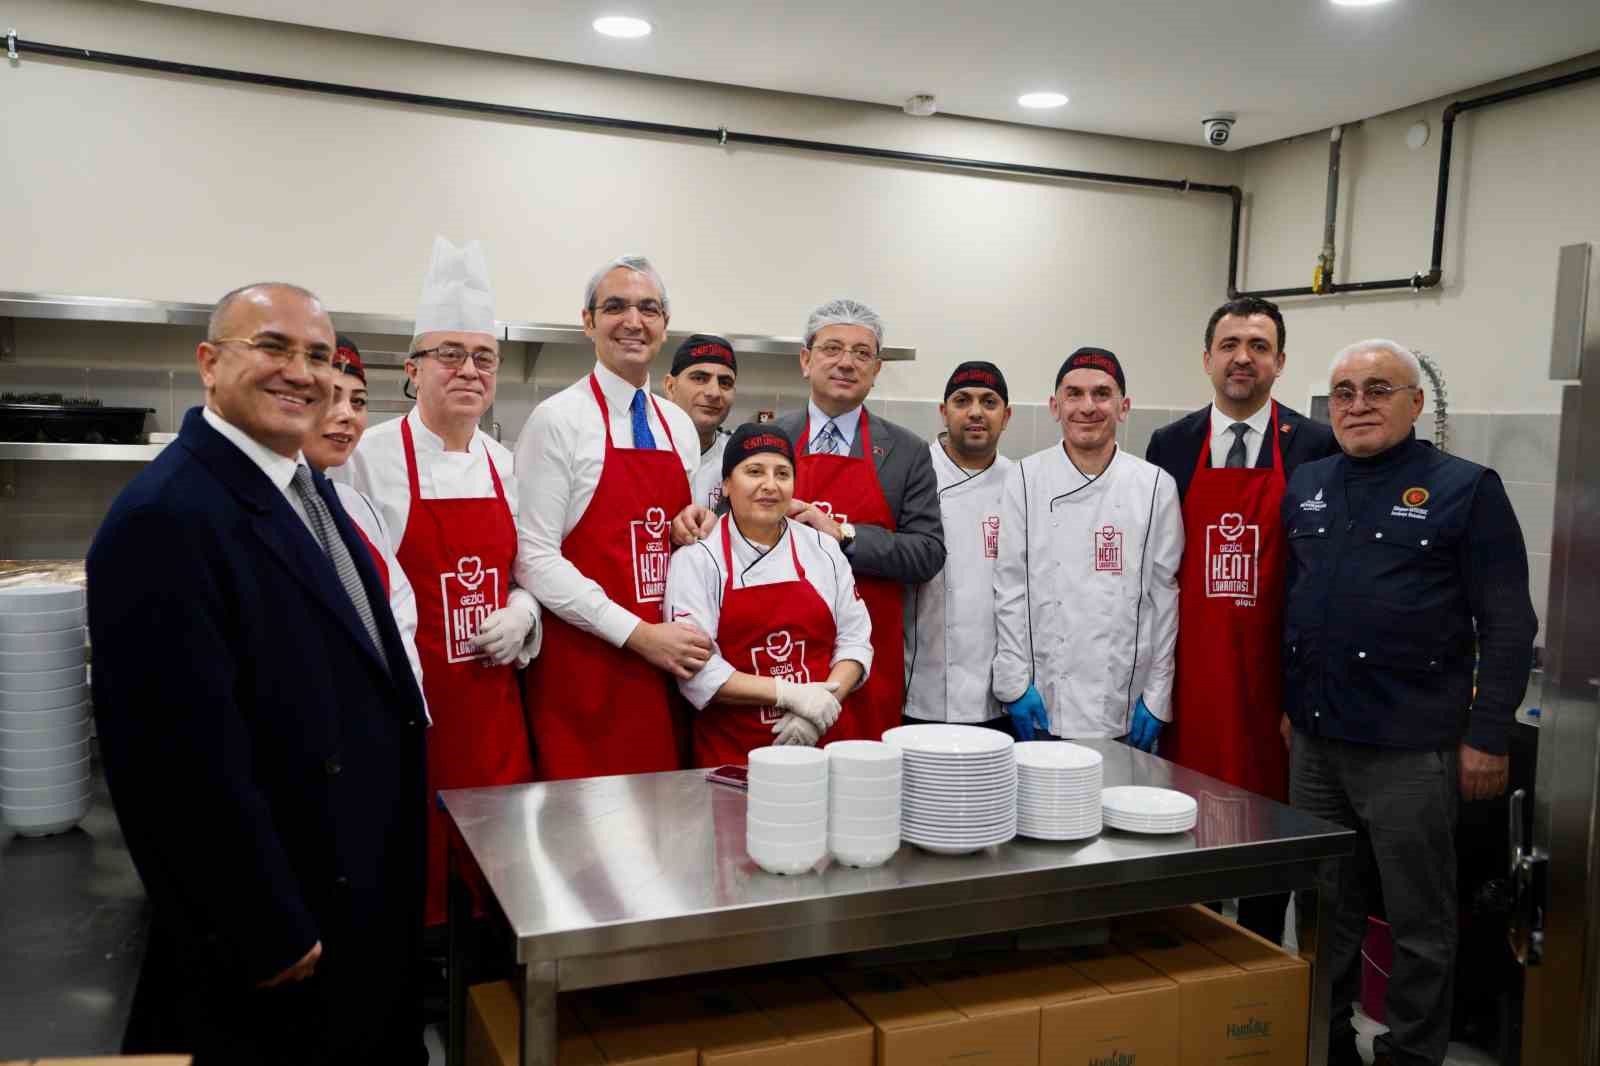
[(1316, 503), (827, 508), (1411, 504), (650, 550), (783, 657), (991, 536), (1108, 550), (1232, 559), (469, 594)]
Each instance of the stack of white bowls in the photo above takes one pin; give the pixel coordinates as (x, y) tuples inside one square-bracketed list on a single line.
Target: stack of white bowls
[(1058, 790), (863, 801), (960, 787), (1142, 809), (786, 824), (44, 709)]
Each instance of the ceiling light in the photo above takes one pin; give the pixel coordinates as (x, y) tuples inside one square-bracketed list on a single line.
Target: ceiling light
[(622, 26), (1358, 3), (1042, 99)]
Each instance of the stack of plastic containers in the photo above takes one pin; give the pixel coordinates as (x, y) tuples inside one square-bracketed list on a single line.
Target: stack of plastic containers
[(44, 709)]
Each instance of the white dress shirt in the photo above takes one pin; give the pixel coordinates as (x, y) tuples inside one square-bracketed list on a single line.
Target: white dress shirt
[(278, 468), (560, 455), (378, 471), (1222, 436), (696, 578), (847, 423)]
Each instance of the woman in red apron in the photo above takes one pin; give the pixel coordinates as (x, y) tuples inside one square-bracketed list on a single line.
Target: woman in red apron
[(1230, 623), (845, 485), (786, 647), (595, 709), (458, 555)]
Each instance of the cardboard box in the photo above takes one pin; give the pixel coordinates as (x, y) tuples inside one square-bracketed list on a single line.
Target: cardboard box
[(1251, 1005), (961, 1018), (815, 1026), (1115, 1011), (494, 1020)]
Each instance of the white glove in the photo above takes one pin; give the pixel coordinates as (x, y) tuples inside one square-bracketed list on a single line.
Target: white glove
[(501, 634), (792, 729), (813, 701)]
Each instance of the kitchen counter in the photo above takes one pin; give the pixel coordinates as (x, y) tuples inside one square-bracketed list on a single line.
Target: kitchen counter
[(610, 880)]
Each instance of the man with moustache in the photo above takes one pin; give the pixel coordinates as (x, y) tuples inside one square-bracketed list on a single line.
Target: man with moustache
[(950, 629), (1407, 638), (603, 468), (1230, 460), (702, 382), (1086, 583), (261, 729)]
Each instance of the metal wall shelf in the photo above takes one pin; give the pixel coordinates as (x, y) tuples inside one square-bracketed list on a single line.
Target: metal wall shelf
[(79, 453)]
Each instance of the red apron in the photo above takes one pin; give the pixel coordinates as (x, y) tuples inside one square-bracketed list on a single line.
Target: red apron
[(377, 556), (1230, 623), (595, 709), (457, 555), (800, 651), (848, 489)]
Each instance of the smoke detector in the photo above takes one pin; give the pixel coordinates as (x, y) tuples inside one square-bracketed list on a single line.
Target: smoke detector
[(921, 105)]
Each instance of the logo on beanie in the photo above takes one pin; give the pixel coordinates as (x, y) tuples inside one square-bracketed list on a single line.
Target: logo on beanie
[(977, 377)]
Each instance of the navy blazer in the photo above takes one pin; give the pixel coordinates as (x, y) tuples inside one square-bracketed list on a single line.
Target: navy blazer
[(266, 766), (1175, 447)]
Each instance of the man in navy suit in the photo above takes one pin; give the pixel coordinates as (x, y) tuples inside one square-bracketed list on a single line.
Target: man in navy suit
[(261, 729), (1231, 460)]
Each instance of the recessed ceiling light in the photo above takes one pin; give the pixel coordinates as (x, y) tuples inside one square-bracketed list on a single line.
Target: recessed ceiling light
[(1358, 3), (622, 26), (1042, 99)]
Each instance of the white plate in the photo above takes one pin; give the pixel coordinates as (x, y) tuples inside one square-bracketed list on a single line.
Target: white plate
[(926, 792), (42, 680), (16, 643), (968, 848), (33, 662), (948, 740), (1046, 834), (25, 721), (41, 621), (1144, 801), (31, 599), (1056, 755), (977, 827)]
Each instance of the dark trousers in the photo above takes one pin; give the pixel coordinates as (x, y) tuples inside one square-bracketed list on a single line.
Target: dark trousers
[(1402, 805)]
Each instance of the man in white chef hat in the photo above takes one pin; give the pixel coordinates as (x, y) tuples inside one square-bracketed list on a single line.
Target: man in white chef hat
[(446, 492)]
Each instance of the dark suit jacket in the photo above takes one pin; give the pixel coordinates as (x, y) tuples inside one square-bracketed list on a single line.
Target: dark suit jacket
[(267, 768), (914, 552), (1176, 446)]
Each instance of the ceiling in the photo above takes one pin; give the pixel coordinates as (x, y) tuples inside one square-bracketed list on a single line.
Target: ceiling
[(1138, 68)]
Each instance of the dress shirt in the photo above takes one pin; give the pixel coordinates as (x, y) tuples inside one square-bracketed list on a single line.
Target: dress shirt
[(848, 424), (560, 455), (1222, 436), (278, 468), (695, 583)]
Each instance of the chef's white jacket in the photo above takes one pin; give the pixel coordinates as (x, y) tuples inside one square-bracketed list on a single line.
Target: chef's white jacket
[(1086, 590), (950, 627), (696, 578), (378, 471), (402, 601), (705, 487), (560, 455)]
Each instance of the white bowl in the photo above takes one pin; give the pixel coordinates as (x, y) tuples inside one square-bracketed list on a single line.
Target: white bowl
[(813, 792), (43, 680), (862, 759), (43, 821), (32, 662), (14, 643), (790, 764), (12, 758), (787, 858), (41, 621), (864, 788), (785, 832), (881, 825), (31, 599), (54, 737), (44, 776), (25, 721), (786, 813), (870, 851), (870, 807), (48, 796), (45, 700)]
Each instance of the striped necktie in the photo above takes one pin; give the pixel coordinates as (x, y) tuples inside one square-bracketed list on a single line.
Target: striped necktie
[(333, 547), (830, 441)]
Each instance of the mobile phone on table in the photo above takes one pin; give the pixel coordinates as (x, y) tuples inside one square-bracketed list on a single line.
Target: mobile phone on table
[(730, 775)]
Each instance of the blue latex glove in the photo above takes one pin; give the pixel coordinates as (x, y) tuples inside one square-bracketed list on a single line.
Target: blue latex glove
[(1028, 714), (1146, 727)]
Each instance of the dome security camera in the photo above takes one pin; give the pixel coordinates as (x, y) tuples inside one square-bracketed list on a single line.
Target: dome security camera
[(1219, 128)]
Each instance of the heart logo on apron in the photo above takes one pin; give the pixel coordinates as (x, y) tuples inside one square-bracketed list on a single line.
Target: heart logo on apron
[(1231, 525), (655, 521), (779, 644), (469, 571)]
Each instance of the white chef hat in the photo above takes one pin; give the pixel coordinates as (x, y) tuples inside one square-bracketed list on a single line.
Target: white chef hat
[(455, 292)]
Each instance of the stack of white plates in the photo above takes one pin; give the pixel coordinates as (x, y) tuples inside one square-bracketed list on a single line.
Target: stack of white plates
[(44, 709), (863, 801), (786, 823), (1142, 809), (960, 787), (1058, 790)]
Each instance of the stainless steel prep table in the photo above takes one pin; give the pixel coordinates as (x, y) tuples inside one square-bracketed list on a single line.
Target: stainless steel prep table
[(608, 880)]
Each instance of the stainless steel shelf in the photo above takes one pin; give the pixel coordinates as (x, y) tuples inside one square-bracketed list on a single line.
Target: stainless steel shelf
[(79, 453)]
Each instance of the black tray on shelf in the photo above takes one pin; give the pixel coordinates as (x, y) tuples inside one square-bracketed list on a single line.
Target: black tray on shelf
[(48, 423)]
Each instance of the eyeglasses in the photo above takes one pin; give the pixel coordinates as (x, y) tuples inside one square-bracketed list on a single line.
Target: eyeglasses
[(317, 356), (833, 350), (649, 310), (1376, 394), (453, 357)]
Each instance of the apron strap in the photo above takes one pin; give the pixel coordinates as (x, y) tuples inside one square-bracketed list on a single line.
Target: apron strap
[(411, 457), (600, 401), (727, 552)]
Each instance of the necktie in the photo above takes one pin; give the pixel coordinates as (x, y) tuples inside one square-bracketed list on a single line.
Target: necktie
[(642, 437), (333, 547), (1236, 453), (830, 441)]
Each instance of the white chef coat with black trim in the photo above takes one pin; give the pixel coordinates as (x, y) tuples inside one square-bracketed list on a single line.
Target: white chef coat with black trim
[(950, 627), (696, 578), (1086, 590), (705, 487)]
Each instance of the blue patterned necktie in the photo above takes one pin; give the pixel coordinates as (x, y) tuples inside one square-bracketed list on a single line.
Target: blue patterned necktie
[(830, 441), (642, 437)]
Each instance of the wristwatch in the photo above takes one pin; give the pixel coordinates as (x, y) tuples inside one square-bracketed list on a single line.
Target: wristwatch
[(847, 535)]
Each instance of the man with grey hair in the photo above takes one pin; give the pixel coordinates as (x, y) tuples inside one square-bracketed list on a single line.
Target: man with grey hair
[(1407, 641), (602, 468)]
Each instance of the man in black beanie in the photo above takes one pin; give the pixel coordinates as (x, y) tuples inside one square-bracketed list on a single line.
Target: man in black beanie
[(702, 382)]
